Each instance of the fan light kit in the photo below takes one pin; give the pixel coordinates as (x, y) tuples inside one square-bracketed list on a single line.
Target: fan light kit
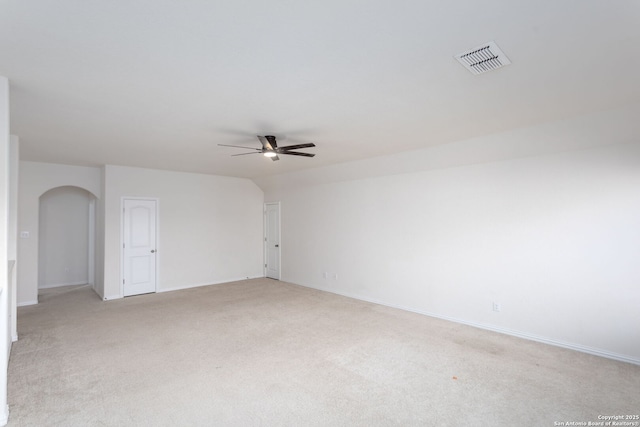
[(270, 148)]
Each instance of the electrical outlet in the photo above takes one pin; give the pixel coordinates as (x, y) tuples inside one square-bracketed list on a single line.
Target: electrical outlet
[(325, 275), (334, 276), (496, 307)]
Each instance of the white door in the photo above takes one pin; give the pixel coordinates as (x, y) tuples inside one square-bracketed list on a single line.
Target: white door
[(139, 247), (272, 240)]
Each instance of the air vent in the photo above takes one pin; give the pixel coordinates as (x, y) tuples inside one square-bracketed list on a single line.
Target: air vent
[(483, 58)]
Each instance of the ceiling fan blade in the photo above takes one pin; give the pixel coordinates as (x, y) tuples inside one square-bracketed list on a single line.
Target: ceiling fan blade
[(239, 146), (270, 147), (297, 146), (295, 153), (266, 145)]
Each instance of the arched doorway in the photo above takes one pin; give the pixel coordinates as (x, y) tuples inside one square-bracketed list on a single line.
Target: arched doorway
[(66, 238)]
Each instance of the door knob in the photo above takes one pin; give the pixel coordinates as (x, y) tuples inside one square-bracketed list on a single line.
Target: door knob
[(153, 251), (277, 246)]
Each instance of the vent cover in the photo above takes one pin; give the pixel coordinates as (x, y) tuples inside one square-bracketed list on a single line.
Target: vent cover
[(483, 58)]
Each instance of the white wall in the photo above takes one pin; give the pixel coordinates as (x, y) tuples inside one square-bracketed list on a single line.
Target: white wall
[(63, 237), (552, 238), (608, 127), (210, 227), (14, 165), (99, 253), (35, 179), (5, 200)]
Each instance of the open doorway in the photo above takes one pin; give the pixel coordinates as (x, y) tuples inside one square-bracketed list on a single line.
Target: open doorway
[(66, 238)]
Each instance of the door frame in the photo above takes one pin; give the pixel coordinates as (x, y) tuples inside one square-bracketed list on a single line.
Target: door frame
[(91, 267), (157, 272), (264, 219)]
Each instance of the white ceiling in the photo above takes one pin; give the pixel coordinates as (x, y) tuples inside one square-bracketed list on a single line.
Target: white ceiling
[(160, 83)]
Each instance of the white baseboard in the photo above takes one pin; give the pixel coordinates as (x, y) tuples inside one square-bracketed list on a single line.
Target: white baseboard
[(25, 303), (568, 345), (57, 285), (197, 285), (4, 416), (563, 344), (190, 286)]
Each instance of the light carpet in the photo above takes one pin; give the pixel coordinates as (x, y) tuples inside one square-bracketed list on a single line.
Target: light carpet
[(268, 353)]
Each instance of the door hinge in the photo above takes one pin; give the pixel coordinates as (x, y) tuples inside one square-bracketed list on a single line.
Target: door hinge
[(265, 239), (265, 266), (123, 281)]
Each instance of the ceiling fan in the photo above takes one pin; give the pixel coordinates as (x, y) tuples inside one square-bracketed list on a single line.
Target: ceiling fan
[(270, 148)]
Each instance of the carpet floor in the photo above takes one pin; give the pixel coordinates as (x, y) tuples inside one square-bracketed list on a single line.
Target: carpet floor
[(268, 353)]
